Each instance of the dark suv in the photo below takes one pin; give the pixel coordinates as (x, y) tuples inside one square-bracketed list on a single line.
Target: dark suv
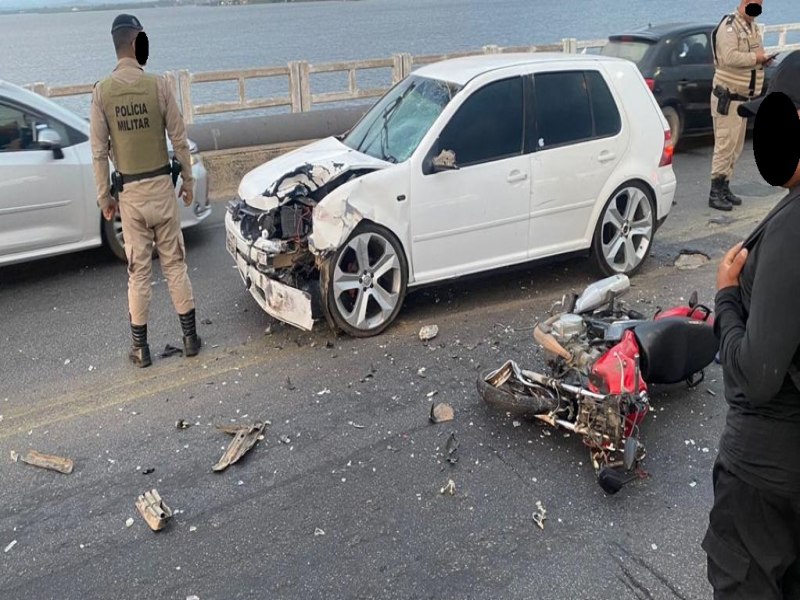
[(677, 63)]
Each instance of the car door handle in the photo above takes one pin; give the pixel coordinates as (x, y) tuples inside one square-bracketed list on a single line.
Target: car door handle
[(606, 156), (688, 84), (516, 177)]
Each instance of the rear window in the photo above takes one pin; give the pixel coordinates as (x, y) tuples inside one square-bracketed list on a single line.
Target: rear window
[(633, 50)]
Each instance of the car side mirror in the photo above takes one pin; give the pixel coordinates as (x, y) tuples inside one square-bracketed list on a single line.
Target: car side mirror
[(446, 161), (49, 139)]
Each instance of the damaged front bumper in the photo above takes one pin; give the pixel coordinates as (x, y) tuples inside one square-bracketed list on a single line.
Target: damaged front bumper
[(260, 262)]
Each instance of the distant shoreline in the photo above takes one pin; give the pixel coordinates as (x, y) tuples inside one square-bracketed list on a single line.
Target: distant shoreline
[(154, 4)]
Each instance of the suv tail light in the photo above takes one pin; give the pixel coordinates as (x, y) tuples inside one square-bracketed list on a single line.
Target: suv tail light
[(651, 83), (669, 150)]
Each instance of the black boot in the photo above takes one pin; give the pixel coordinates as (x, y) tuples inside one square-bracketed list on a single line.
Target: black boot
[(191, 341), (716, 199), (729, 195), (140, 351)]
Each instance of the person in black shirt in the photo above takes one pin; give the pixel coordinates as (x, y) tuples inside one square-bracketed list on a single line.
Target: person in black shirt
[(753, 537)]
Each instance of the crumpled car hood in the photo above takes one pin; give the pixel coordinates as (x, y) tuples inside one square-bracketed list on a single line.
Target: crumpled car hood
[(315, 165)]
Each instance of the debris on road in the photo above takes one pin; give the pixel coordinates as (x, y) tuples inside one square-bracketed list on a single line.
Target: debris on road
[(540, 515), (450, 488), (148, 471), (441, 413), (691, 259), (182, 424), (285, 439), (428, 332), (323, 392), (450, 449), (356, 425), (46, 461), (433, 393), (10, 546), (289, 385), (516, 424), (170, 350), (129, 522), (153, 510), (206, 321), (244, 439), (318, 532), (14, 456)]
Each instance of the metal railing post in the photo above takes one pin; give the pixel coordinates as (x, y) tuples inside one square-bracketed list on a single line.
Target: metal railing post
[(299, 85), (569, 46), (187, 107), (491, 49)]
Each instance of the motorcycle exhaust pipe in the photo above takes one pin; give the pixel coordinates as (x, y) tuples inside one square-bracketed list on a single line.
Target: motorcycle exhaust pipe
[(549, 343)]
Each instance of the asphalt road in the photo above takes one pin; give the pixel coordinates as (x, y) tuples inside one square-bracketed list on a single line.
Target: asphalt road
[(362, 463)]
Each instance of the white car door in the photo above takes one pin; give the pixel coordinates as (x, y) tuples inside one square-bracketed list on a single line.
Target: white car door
[(42, 197), (475, 217), (576, 142)]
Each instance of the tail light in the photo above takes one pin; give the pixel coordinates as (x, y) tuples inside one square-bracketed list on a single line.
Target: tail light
[(651, 83), (669, 150)]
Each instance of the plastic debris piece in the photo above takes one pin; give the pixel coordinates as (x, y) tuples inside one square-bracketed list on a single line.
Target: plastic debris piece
[(449, 488), (46, 461), (654, 547), (516, 423), (428, 332), (192, 528), (289, 385), (433, 393), (323, 392), (14, 456), (182, 424), (148, 471), (450, 449), (170, 350), (285, 439), (129, 522), (244, 438), (318, 532), (356, 425), (10, 546), (540, 515), (207, 321), (441, 413), (153, 510)]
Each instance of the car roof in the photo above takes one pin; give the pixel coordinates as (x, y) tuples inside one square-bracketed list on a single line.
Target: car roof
[(655, 33), (463, 70)]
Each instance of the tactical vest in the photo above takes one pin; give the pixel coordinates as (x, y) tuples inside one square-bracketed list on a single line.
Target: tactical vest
[(135, 124), (747, 81)]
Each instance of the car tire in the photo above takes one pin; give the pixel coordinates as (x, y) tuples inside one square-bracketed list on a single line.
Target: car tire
[(624, 232), (112, 236), (673, 117), (357, 299)]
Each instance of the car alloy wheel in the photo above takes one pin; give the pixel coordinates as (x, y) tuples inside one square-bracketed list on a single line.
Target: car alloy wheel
[(367, 282), (625, 231)]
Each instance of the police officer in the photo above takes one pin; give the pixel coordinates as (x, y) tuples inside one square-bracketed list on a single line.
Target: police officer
[(739, 57), (131, 110)]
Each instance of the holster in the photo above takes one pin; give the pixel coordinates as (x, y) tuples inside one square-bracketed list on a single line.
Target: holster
[(723, 100), (116, 185), (176, 167)]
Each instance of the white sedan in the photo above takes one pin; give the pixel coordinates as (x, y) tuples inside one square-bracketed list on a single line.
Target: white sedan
[(48, 201), (465, 166)]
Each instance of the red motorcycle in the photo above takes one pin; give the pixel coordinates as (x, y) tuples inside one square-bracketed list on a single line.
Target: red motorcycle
[(601, 359)]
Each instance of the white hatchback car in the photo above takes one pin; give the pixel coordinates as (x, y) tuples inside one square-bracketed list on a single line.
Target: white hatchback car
[(465, 166), (48, 201)]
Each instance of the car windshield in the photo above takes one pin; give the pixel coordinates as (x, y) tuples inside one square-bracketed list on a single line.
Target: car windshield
[(394, 127), (633, 50)]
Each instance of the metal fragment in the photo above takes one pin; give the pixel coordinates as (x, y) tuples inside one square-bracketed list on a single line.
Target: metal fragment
[(46, 461), (244, 439), (153, 510), (441, 413)]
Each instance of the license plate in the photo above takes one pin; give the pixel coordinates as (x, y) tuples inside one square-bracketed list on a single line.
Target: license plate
[(230, 243)]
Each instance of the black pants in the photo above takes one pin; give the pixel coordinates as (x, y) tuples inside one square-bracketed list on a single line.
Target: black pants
[(752, 542)]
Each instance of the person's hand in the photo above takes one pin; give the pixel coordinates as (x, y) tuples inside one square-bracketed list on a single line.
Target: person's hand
[(761, 57), (187, 194), (731, 266), (109, 212)]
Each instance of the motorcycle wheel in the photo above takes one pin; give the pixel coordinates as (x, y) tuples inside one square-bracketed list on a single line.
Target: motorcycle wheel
[(517, 399)]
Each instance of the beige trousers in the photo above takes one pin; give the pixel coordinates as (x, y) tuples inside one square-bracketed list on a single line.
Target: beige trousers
[(729, 132), (150, 215)]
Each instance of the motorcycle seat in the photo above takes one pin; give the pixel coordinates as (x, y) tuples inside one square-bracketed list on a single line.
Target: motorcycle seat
[(674, 348)]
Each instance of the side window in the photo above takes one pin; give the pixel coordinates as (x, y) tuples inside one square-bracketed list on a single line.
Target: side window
[(563, 114), (488, 126), (20, 129), (607, 121), (692, 50)]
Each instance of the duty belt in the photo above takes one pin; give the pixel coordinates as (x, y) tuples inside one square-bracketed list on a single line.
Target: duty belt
[(165, 170), (720, 91)]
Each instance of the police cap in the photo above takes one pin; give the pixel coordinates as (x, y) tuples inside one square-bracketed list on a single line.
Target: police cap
[(126, 22)]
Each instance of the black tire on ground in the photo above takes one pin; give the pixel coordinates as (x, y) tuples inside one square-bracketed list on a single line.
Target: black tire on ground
[(644, 213), (517, 400), (675, 124), (380, 247)]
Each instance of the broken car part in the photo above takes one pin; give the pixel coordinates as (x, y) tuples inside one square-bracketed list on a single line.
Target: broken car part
[(244, 438), (153, 510), (441, 413), (46, 461)]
